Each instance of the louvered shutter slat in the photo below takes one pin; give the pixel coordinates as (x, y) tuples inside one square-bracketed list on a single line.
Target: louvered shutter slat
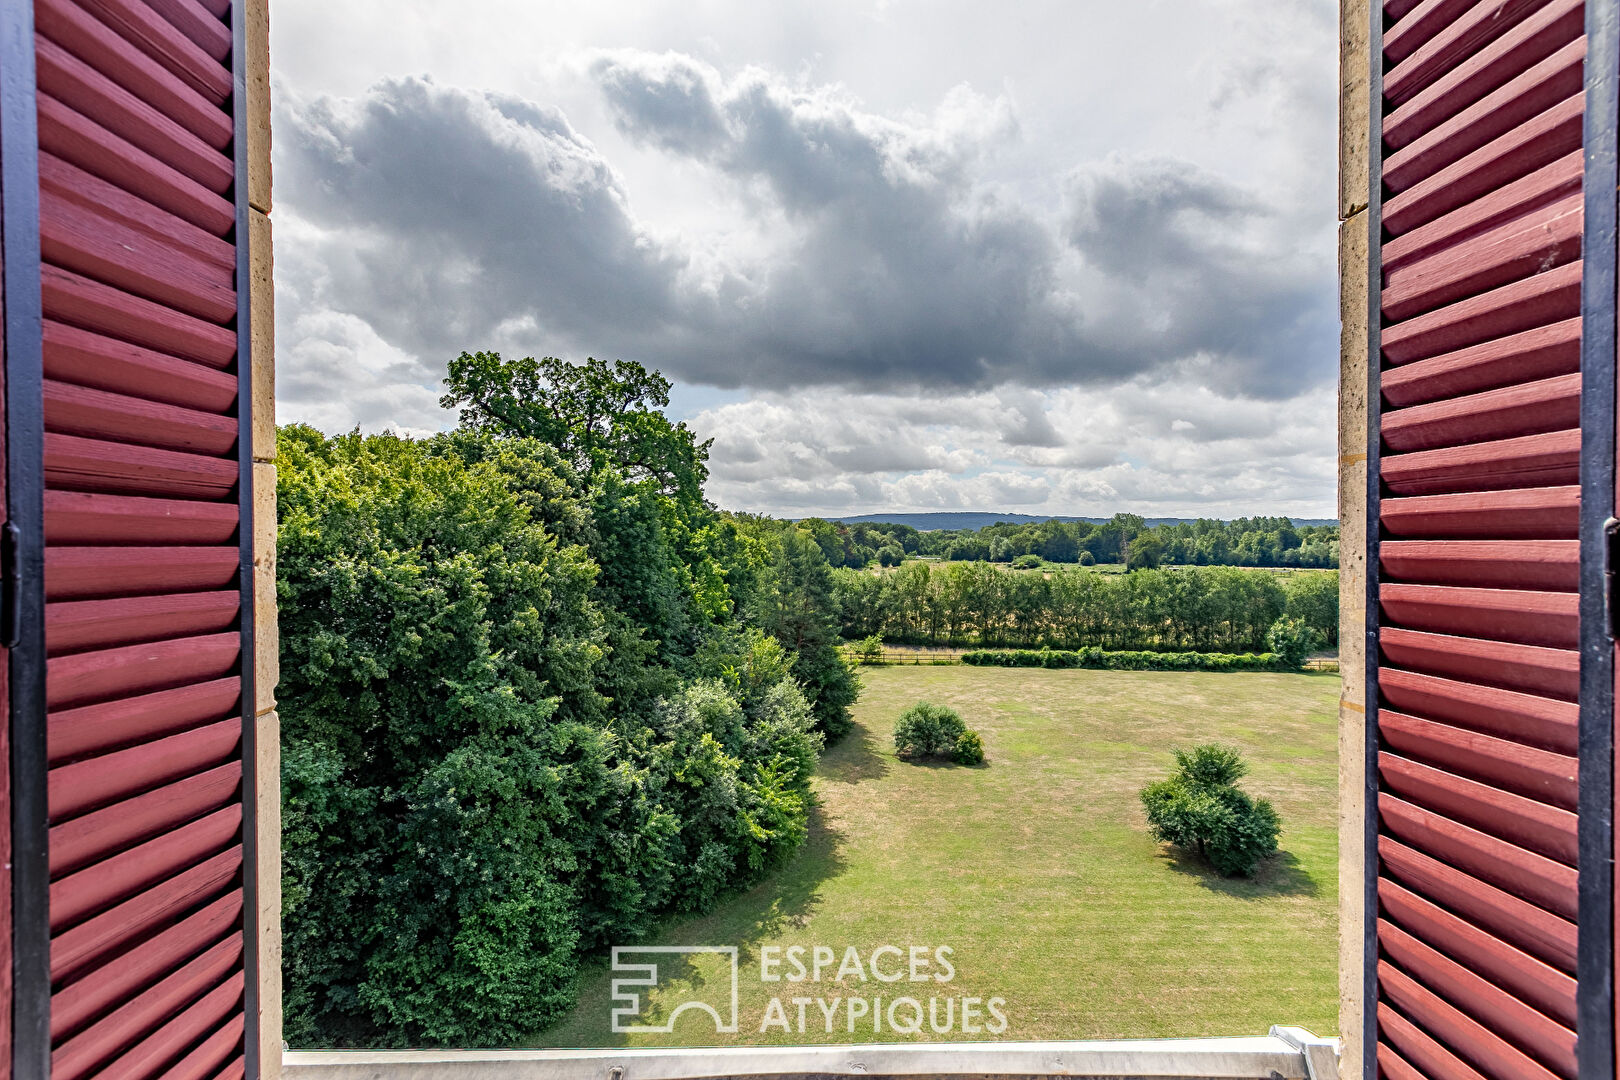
[(127, 974), (142, 917), (143, 385), (1477, 277)]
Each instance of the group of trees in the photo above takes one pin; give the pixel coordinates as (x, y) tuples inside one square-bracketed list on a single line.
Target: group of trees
[(1208, 609), (536, 695), (1124, 538)]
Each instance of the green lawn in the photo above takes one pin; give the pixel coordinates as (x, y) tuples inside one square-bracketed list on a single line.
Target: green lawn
[(1037, 871)]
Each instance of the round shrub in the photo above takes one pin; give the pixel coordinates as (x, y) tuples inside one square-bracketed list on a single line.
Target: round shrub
[(969, 749), (1201, 808), (1087, 559), (1027, 562), (927, 730)]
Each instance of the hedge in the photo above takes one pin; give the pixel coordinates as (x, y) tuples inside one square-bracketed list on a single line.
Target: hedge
[(1125, 660)]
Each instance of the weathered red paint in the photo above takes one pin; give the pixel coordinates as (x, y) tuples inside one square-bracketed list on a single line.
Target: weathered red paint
[(82, 410), (78, 573), (1540, 985), (1531, 564), (124, 875), (63, 180), (78, 1055), (1548, 619), (1512, 251), (102, 363), (1494, 1056), (85, 90), (1517, 154), (144, 683), (1529, 93), (98, 834), (1544, 1039), (1515, 921), (81, 141), (1527, 669), (1505, 764), (1525, 822), (81, 33), (1539, 36), (139, 918), (1436, 1061), (131, 718), (124, 975), (1529, 408), (73, 517), (1551, 459), (78, 300), (219, 1012), (1528, 718), (144, 28), (1542, 881), (1424, 50), (80, 464), (99, 676), (95, 782)]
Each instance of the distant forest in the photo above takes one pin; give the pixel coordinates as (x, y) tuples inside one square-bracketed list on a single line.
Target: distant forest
[(1124, 538)]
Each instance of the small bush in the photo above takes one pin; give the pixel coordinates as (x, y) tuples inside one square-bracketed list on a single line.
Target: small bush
[(1292, 641), (927, 730), (1027, 562), (969, 749), (868, 650), (1200, 808), (1087, 559)]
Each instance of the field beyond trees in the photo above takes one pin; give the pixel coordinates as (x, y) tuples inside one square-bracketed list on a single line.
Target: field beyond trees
[(1037, 869), (1207, 608)]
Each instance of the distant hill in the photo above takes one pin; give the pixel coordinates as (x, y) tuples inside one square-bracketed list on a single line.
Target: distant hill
[(975, 520)]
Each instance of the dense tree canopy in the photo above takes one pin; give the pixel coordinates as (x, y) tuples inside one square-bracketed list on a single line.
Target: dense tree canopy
[(536, 696)]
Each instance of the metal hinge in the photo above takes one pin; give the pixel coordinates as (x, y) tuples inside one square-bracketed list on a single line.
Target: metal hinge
[(10, 585), (1611, 560)]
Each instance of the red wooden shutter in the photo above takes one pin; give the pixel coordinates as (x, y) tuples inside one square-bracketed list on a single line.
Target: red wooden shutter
[(140, 231), (1477, 811), (7, 554)]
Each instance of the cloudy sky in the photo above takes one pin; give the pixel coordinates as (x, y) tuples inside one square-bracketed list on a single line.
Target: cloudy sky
[(1038, 256)]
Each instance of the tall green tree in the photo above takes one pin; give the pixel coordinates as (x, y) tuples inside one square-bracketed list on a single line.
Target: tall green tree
[(595, 413), (797, 607)]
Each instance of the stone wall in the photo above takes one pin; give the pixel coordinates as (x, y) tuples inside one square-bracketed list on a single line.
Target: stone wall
[(267, 640), (1354, 100)]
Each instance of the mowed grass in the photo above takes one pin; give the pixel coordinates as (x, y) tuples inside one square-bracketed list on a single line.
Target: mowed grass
[(1037, 869)]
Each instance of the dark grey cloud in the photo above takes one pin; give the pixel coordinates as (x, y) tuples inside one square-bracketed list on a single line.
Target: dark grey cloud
[(452, 211), (446, 218), (1210, 269)]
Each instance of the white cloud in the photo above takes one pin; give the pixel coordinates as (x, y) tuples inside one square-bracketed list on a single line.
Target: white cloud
[(834, 452), (1071, 258)]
